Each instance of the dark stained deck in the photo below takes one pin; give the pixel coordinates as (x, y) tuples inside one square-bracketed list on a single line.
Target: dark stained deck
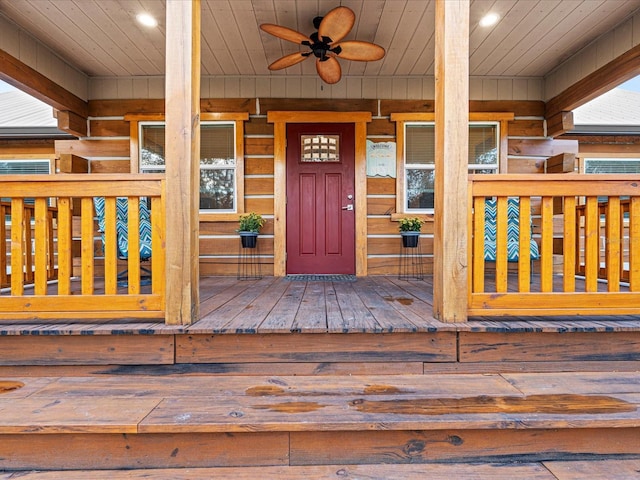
[(375, 304), (120, 420)]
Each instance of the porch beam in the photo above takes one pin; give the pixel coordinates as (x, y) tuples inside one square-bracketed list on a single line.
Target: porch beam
[(617, 71), (20, 75), (450, 260), (182, 160)]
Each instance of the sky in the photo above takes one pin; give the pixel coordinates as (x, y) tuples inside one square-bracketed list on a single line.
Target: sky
[(5, 87)]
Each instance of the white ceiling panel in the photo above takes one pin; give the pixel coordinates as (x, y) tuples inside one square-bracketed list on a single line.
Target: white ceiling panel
[(102, 37)]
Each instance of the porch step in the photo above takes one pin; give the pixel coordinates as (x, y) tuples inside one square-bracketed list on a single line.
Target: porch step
[(138, 421), (594, 470)]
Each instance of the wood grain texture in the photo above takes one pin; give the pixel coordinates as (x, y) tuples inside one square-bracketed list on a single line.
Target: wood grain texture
[(489, 471), (28, 452), (543, 347), (202, 348), (88, 350)]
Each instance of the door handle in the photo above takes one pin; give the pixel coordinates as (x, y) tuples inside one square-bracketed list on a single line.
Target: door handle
[(348, 207)]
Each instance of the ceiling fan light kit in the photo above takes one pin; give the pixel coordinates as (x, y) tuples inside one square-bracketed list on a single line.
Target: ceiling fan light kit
[(325, 44)]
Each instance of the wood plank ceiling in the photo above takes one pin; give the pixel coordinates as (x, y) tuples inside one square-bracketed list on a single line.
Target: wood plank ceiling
[(102, 38)]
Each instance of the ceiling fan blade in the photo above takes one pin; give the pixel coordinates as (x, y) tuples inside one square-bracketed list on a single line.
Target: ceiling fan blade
[(360, 51), (284, 33), (287, 61), (329, 70), (337, 24)]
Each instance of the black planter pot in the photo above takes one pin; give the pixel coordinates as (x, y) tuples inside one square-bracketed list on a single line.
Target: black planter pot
[(249, 239), (410, 239)]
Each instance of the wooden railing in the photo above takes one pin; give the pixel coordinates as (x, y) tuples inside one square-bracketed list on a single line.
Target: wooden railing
[(66, 272), (46, 228), (573, 275), (603, 218)]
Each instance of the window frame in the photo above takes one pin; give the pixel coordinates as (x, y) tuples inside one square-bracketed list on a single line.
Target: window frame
[(235, 118), (501, 119)]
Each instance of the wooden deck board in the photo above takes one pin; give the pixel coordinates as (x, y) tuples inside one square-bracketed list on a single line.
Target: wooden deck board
[(356, 316), (389, 319), (311, 316), (576, 382), (183, 404), (87, 414), (249, 319), (490, 471), (595, 470), (281, 317)]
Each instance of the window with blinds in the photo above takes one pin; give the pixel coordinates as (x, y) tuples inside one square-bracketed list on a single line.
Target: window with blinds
[(419, 158), (31, 166), (217, 161), (612, 165)]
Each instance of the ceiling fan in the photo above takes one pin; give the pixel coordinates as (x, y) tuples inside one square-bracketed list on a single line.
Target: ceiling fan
[(325, 44)]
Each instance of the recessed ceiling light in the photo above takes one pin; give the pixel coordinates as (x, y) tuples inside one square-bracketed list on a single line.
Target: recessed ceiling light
[(489, 20), (147, 20)]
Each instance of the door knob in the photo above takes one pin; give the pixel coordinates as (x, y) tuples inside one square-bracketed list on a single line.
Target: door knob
[(348, 207)]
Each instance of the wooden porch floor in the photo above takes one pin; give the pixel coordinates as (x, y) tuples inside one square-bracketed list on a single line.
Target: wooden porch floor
[(375, 304)]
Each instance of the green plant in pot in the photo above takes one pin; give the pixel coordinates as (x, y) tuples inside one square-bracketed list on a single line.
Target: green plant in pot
[(410, 231), (250, 225)]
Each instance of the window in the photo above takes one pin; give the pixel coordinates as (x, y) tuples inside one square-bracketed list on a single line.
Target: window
[(218, 176), (221, 157), (32, 166), (419, 160), (612, 165)]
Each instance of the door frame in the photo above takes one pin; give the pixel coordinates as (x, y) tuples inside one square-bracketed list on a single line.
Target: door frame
[(280, 120)]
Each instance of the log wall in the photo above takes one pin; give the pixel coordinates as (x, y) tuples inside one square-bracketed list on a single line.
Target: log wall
[(107, 149)]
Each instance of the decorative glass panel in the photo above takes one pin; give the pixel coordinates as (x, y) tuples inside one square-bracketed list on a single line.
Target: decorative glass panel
[(320, 148)]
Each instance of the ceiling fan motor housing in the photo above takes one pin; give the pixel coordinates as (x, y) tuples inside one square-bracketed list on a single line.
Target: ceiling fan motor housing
[(320, 46)]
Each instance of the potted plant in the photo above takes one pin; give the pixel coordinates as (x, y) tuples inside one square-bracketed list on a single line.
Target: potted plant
[(250, 225), (410, 230)]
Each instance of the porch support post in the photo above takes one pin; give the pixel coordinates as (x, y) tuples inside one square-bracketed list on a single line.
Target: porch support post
[(182, 160), (450, 288)]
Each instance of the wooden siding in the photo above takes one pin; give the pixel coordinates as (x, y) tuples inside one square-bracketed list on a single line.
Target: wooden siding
[(26, 48), (108, 152), (609, 46), (353, 88)]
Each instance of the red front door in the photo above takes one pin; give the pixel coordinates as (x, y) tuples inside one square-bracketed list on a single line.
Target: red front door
[(320, 198)]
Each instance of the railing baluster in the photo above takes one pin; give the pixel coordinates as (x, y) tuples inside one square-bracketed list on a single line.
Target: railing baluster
[(546, 251), (64, 246), (134, 245), (158, 229), (592, 240), (17, 246), (524, 245), (51, 261), (501, 245), (3, 245), (41, 246), (634, 244), (569, 245), (110, 247), (87, 250), (478, 245), (612, 246), (28, 237)]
